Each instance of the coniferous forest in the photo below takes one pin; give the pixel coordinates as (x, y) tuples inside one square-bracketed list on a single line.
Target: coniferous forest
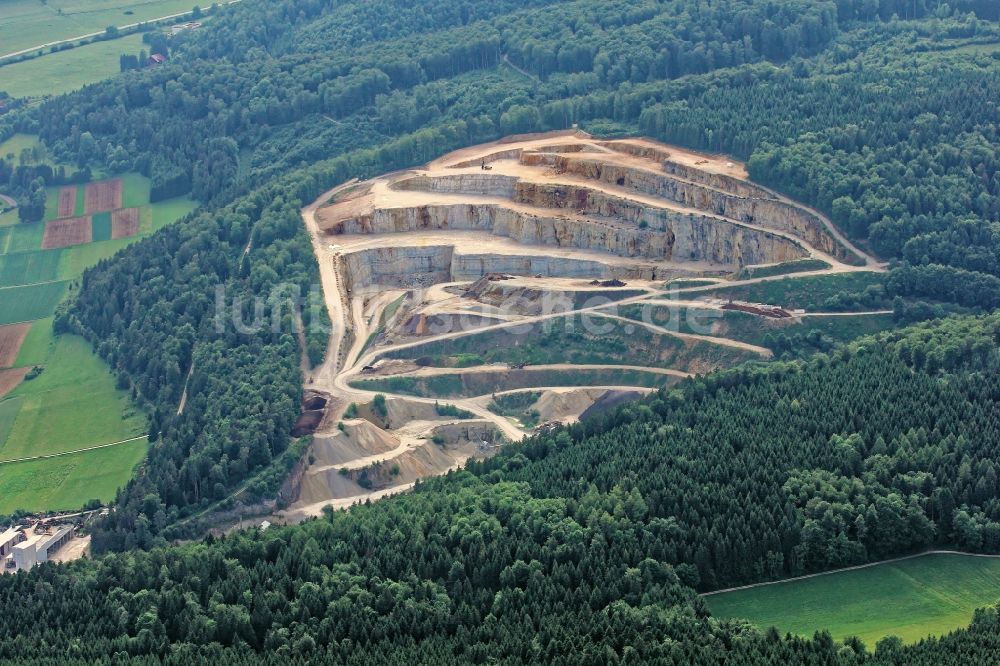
[(588, 544)]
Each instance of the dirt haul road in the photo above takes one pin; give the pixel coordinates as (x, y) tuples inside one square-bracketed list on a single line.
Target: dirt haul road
[(393, 231)]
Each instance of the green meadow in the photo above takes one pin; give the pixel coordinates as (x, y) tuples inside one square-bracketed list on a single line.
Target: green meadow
[(65, 71), (71, 405), (68, 482), (18, 304), (911, 599)]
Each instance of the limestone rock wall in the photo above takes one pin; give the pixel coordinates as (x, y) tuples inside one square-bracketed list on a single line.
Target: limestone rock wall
[(510, 154), (719, 181), (685, 237), (474, 266), (638, 150), (482, 184), (405, 267), (763, 212), (666, 235)]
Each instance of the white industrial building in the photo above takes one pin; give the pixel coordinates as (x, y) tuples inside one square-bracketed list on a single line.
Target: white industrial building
[(39, 547), (10, 538)]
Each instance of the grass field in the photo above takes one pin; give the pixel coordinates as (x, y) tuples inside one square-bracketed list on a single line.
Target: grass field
[(101, 226), (911, 599), (36, 346), (19, 304), (23, 237), (8, 412), (593, 340), (71, 405), (65, 71), (748, 328), (68, 482), (12, 147), (28, 23), (797, 266), (475, 384), (29, 267), (163, 213)]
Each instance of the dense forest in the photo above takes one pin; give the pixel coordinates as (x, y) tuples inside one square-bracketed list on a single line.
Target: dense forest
[(586, 544)]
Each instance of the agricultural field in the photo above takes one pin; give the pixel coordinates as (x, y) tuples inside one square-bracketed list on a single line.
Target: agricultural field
[(65, 71), (911, 599), (72, 404), (56, 395), (20, 304), (29, 23)]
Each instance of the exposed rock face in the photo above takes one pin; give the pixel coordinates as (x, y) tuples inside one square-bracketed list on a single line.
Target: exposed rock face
[(511, 154), (420, 267), (398, 266), (719, 181), (312, 414), (686, 237), (474, 266), (764, 212), (617, 227), (484, 184), (649, 152), (469, 431)]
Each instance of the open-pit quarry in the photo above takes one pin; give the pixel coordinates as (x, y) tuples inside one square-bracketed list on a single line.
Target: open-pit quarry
[(494, 292)]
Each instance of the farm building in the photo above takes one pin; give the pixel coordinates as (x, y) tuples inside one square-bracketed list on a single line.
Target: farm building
[(39, 547)]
